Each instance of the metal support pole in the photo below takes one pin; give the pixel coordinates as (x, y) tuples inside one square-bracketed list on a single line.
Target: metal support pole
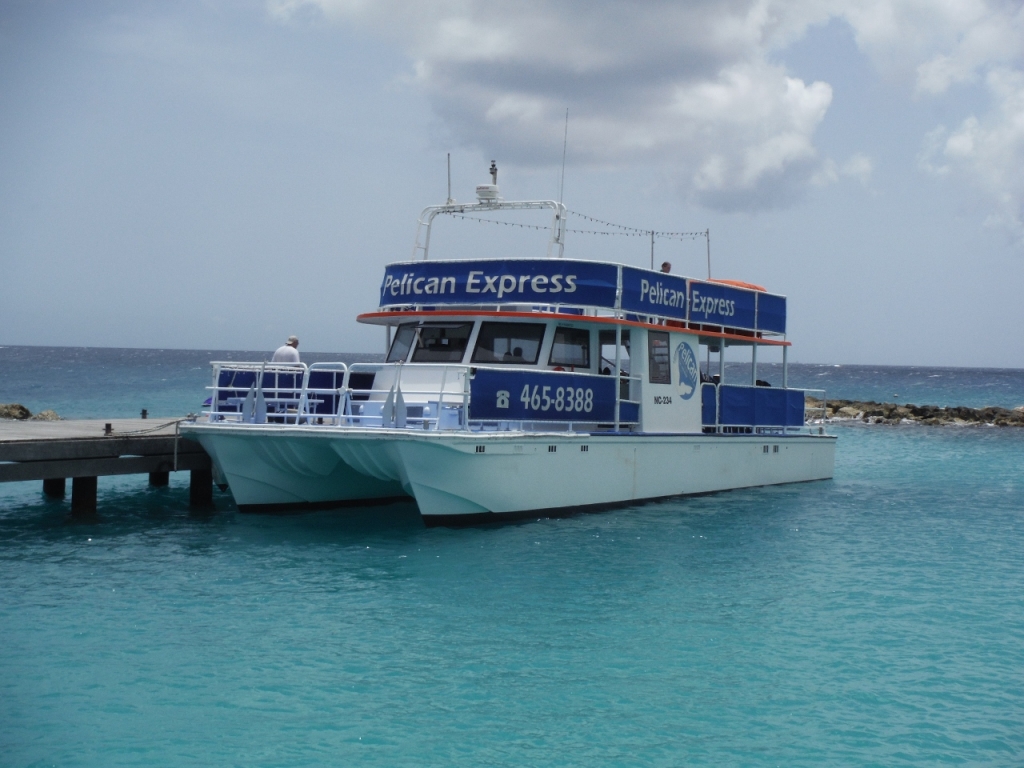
[(707, 236), (618, 371), (721, 362), (753, 365), (83, 496), (785, 368)]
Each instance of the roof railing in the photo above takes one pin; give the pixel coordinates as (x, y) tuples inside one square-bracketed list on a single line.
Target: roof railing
[(426, 220)]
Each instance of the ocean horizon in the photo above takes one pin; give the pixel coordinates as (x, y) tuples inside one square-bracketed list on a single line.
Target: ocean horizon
[(873, 619), (118, 382)]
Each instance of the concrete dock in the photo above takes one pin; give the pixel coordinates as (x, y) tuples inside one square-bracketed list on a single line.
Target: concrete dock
[(52, 451)]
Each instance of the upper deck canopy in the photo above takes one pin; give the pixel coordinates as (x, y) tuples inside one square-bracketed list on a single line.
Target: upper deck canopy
[(580, 284)]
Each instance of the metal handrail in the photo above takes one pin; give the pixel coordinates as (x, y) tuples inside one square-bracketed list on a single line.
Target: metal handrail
[(304, 396)]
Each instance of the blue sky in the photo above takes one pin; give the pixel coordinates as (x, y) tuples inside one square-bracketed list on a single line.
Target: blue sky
[(222, 175)]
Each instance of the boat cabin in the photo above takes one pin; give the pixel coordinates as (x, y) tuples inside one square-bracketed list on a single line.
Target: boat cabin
[(537, 345)]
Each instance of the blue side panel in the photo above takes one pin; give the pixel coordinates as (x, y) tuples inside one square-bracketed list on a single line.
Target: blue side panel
[(629, 413), (708, 404), (769, 407), (771, 313), (653, 293), (534, 396), (716, 304), (533, 281), (235, 385), (794, 407), (324, 402), (755, 406), (737, 405), (282, 386), (239, 379)]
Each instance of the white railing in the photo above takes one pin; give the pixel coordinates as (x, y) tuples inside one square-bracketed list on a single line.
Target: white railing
[(820, 410), (275, 393)]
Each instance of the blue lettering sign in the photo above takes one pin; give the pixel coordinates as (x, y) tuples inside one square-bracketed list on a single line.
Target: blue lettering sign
[(518, 281), (724, 305), (653, 293), (533, 396)]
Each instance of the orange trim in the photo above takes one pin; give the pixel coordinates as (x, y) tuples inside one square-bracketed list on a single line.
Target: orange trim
[(745, 336), (738, 284)]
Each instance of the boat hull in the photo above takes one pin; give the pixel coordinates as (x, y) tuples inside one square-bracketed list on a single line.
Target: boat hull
[(271, 472), (473, 477)]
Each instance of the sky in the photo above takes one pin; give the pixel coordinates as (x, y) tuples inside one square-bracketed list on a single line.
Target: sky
[(220, 175)]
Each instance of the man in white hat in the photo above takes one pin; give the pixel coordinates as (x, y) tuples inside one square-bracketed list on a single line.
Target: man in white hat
[(289, 353)]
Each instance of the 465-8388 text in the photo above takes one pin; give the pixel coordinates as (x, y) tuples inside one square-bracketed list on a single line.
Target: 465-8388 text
[(563, 399)]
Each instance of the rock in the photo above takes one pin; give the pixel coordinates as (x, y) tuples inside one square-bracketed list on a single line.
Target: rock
[(849, 412), (14, 411), (46, 415)]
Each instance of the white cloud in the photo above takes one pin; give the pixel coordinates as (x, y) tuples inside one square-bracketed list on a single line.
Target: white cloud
[(693, 86), (687, 85), (859, 167), (987, 36), (989, 151)]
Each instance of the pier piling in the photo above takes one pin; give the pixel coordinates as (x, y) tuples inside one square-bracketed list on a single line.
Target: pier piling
[(200, 488), (55, 487), (52, 451), (83, 496)]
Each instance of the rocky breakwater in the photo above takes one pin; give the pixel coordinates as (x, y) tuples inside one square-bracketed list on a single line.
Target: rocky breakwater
[(871, 412), (21, 413)]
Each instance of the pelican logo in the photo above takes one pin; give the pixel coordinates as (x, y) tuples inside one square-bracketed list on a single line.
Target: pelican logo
[(502, 398), (689, 372)]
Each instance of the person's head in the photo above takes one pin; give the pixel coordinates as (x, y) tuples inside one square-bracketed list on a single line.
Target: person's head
[(666, 267), (293, 341)]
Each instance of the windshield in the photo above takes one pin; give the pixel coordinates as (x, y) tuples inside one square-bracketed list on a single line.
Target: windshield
[(403, 341), (514, 343), (442, 342)]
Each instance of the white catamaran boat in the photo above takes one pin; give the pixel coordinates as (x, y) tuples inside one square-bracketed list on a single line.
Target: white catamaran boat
[(520, 387)]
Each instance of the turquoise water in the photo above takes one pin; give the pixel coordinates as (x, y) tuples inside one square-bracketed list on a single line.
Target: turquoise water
[(876, 619)]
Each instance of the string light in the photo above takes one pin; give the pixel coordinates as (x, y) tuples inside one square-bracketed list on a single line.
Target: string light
[(635, 231), (623, 231)]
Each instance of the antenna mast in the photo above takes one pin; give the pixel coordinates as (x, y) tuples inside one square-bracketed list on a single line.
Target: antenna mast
[(565, 144), (707, 236), (450, 201)]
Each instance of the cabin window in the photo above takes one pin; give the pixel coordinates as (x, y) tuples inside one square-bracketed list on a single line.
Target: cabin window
[(403, 341), (441, 342), (571, 347), (658, 358), (514, 343), (606, 339)]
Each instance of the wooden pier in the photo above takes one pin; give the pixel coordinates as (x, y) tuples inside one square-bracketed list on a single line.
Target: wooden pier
[(52, 451)]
